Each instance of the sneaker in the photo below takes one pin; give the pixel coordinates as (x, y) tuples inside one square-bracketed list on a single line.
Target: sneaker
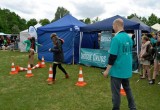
[(159, 83), (66, 76), (150, 82)]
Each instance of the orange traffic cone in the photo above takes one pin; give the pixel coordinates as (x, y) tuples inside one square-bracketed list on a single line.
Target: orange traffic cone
[(80, 79), (42, 63), (50, 77), (29, 72), (122, 92), (37, 66), (18, 68), (13, 69)]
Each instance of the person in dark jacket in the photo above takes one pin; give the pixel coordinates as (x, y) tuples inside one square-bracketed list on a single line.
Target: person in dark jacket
[(58, 56)]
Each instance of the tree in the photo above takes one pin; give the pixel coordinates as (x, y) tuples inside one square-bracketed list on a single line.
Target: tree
[(132, 15), (144, 20), (152, 19), (15, 29), (87, 21), (60, 13), (159, 20), (44, 22), (96, 20), (32, 22), (22, 24), (9, 19)]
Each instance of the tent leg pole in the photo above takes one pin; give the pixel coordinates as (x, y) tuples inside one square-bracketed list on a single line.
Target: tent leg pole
[(80, 42)]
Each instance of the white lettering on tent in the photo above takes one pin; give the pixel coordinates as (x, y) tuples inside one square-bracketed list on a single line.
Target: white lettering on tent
[(106, 39), (86, 56), (98, 58)]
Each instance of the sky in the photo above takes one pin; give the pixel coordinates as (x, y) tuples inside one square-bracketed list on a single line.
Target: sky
[(40, 9)]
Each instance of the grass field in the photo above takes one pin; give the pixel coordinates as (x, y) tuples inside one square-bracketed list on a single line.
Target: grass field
[(20, 93)]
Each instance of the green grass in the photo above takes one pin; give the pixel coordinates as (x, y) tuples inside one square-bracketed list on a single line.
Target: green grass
[(20, 93)]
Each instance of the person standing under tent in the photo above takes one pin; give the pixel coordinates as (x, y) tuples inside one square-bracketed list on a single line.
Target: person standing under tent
[(58, 56), (146, 57), (120, 65), (156, 60), (30, 51)]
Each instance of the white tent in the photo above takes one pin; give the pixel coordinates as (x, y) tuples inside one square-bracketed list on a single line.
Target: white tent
[(2, 34), (156, 27), (24, 36)]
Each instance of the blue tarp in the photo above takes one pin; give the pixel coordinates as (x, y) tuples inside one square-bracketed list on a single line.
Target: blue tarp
[(107, 25), (66, 28)]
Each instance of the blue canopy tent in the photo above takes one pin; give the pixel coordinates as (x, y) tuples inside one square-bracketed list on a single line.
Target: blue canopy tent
[(106, 24), (66, 28)]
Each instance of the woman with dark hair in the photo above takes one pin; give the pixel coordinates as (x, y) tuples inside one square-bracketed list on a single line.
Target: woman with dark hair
[(58, 56), (34, 43)]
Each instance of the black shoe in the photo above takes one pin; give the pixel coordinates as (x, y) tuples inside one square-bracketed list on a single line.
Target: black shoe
[(152, 81)]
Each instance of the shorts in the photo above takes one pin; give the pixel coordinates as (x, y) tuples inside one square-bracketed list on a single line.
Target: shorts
[(145, 62)]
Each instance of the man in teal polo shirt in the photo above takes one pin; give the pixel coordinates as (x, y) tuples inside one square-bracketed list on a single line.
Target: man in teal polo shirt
[(120, 65)]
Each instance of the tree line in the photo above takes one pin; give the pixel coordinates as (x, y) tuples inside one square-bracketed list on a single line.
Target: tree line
[(12, 23)]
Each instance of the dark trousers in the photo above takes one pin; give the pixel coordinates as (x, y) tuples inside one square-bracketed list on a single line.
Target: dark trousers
[(60, 67), (116, 98)]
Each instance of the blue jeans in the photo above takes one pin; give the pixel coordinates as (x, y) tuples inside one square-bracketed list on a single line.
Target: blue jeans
[(116, 98)]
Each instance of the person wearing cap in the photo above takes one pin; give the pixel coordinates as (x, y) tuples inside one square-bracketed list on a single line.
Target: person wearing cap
[(120, 65), (58, 56)]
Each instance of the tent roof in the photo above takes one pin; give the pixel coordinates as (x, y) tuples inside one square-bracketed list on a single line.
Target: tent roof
[(2, 34), (156, 26), (66, 21), (143, 26), (106, 24), (36, 26)]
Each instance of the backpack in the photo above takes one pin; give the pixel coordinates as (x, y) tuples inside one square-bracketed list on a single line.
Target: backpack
[(148, 55)]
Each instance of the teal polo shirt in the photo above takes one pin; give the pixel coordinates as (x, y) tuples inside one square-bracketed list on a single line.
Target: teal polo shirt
[(153, 41), (121, 45)]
